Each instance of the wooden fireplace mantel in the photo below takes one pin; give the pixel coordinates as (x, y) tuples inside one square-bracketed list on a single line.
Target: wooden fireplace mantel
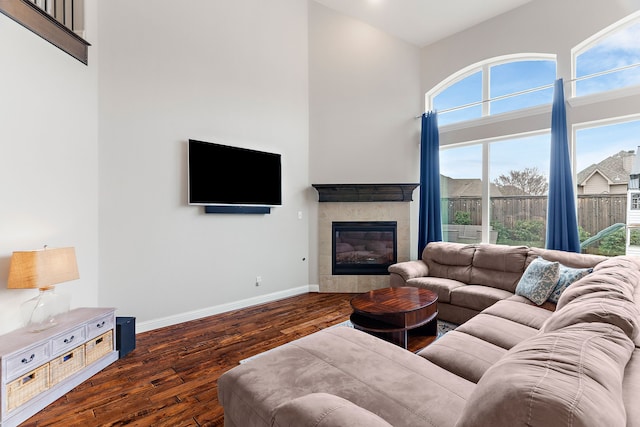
[(365, 192)]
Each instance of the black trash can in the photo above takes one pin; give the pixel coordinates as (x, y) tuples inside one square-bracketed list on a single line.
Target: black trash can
[(125, 335)]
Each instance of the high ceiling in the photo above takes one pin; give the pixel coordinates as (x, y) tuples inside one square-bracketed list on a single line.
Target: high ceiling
[(422, 22)]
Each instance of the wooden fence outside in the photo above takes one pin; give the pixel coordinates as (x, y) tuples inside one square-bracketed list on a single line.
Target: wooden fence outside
[(595, 211)]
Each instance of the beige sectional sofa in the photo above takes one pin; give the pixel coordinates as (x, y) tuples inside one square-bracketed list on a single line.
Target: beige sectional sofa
[(513, 363), (470, 278)]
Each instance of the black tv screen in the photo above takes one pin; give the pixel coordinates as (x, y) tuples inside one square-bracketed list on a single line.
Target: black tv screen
[(224, 175)]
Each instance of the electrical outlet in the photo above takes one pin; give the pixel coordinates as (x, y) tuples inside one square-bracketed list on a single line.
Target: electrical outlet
[(258, 280)]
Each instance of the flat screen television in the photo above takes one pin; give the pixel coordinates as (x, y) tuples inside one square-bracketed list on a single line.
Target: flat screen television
[(222, 175)]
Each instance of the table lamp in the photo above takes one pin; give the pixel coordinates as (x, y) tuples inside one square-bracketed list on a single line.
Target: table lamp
[(42, 269)]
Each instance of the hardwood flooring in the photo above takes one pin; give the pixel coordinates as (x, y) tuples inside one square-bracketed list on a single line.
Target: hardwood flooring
[(170, 378)]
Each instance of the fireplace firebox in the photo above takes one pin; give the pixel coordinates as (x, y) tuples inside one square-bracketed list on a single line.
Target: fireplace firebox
[(363, 247)]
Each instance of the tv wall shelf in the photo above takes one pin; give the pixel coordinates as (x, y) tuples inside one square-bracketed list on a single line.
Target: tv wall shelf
[(237, 210)]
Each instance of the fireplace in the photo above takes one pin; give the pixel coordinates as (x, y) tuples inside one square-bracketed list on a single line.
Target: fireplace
[(368, 203), (363, 247)]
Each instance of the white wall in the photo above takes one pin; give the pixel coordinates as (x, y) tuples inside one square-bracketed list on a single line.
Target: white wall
[(233, 72), (48, 160), (364, 94)]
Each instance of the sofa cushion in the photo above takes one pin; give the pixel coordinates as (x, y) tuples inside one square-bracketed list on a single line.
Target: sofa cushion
[(569, 377), (606, 295), (528, 315), (547, 305), (614, 311), (496, 330), (570, 259), (538, 280), (455, 313), (347, 363), (567, 276), (619, 275), (449, 260), (463, 354), (442, 287), (498, 266), (324, 410), (477, 297), (611, 310)]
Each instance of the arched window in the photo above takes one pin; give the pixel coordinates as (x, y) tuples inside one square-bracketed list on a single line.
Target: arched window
[(609, 60), (494, 86)]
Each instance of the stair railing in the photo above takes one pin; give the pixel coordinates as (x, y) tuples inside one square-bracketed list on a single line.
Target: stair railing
[(60, 22)]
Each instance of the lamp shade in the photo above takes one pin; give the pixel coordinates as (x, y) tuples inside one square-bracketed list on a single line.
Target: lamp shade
[(42, 268)]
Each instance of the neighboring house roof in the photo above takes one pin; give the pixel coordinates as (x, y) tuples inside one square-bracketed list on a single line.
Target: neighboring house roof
[(615, 169), (464, 187)]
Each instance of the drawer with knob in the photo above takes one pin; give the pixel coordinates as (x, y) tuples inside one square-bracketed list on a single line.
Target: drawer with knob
[(68, 340), (26, 360), (99, 326)]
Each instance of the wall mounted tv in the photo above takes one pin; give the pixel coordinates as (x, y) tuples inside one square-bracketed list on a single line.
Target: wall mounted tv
[(221, 175)]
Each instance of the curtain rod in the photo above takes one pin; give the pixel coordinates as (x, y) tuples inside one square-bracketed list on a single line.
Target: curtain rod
[(588, 76)]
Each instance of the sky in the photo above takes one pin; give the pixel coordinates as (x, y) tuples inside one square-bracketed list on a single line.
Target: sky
[(595, 144), (516, 154), (592, 144)]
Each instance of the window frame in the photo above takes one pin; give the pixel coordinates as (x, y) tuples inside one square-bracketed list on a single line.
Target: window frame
[(485, 171), (485, 68), (589, 43), (486, 129)]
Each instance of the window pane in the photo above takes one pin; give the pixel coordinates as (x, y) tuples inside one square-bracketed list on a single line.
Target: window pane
[(617, 50), (463, 92), (519, 177), (602, 184), (513, 77), (461, 194)]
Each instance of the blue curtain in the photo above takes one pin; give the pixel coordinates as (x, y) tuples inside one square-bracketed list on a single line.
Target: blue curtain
[(562, 224), (429, 222)]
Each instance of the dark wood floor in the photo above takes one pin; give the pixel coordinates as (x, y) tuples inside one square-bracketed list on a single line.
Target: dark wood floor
[(170, 378)]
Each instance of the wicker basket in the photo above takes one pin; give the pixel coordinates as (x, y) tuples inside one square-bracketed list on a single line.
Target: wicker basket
[(27, 386), (98, 347), (67, 364)]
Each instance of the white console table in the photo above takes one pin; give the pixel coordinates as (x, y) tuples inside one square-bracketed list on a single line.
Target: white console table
[(39, 367)]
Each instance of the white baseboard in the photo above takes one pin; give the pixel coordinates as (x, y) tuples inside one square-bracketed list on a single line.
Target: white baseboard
[(150, 325)]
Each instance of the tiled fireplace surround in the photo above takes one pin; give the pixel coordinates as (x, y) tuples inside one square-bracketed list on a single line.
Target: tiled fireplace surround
[(360, 202)]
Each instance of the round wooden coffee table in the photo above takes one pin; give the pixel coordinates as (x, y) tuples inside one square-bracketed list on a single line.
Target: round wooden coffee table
[(390, 313)]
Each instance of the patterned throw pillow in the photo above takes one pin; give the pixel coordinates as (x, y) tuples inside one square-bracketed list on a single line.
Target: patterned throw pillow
[(568, 275), (538, 280)]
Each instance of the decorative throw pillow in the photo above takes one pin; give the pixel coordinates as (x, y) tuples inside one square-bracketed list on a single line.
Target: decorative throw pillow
[(538, 280), (568, 275)]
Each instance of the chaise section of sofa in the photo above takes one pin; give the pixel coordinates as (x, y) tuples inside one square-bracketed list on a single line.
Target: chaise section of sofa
[(400, 387)]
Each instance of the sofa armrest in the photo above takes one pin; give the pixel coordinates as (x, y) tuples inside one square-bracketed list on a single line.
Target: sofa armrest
[(324, 410), (403, 271)]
